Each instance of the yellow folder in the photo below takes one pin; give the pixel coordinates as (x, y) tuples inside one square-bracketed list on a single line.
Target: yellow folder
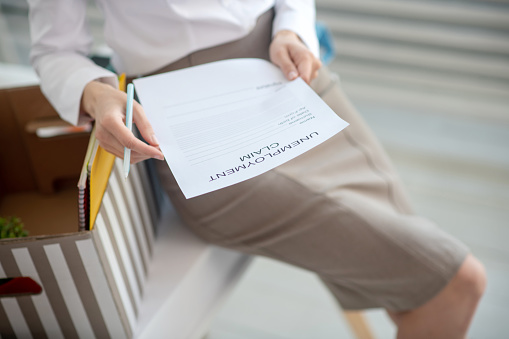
[(102, 166)]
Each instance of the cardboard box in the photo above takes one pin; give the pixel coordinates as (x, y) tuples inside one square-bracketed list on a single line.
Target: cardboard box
[(118, 280), (91, 281)]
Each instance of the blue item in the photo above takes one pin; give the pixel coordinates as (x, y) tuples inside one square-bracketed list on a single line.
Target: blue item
[(327, 50)]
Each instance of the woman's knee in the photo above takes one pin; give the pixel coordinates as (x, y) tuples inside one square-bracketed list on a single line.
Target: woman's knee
[(470, 279), (463, 291)]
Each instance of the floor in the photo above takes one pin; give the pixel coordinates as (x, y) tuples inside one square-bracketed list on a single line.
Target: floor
[(456, 169)]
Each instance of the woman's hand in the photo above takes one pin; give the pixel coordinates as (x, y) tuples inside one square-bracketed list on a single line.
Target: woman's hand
[(293, 57), (107, 106)]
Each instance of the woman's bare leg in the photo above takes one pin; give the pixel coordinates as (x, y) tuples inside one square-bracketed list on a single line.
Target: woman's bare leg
[(449, 314)]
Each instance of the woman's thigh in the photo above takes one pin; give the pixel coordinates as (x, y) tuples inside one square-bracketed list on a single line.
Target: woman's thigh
[(338, 210)]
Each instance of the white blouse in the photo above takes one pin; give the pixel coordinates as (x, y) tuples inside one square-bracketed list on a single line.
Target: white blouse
[(144, 36)]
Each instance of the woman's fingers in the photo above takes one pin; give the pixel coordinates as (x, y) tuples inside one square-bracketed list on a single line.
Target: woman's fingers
[(305, 67), (135, 158), (141, 121), (290, 54), (113, 123), (307, 64), (113, 146), (281, 58), (127, 139), (107, 106)]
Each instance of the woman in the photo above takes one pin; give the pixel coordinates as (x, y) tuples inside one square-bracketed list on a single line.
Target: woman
[(338, 210)]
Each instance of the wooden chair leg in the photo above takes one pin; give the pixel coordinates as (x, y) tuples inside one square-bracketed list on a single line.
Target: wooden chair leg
[(359, 325)]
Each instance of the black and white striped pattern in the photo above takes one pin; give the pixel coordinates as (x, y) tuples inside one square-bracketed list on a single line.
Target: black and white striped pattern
[(92, 281)]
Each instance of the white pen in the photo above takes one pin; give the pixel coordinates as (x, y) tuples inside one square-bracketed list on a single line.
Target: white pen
[(129, 124)]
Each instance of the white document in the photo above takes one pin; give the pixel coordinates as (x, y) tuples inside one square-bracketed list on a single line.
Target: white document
[(228, 121)]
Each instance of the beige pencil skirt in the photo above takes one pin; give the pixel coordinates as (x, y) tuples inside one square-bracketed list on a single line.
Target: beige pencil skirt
[(338, 210)]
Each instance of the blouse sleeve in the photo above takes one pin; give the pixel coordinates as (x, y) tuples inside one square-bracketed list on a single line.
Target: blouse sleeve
[(297, 16), (60, 45)]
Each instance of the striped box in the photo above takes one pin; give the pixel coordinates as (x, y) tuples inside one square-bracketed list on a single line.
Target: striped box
[(93, 281)]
